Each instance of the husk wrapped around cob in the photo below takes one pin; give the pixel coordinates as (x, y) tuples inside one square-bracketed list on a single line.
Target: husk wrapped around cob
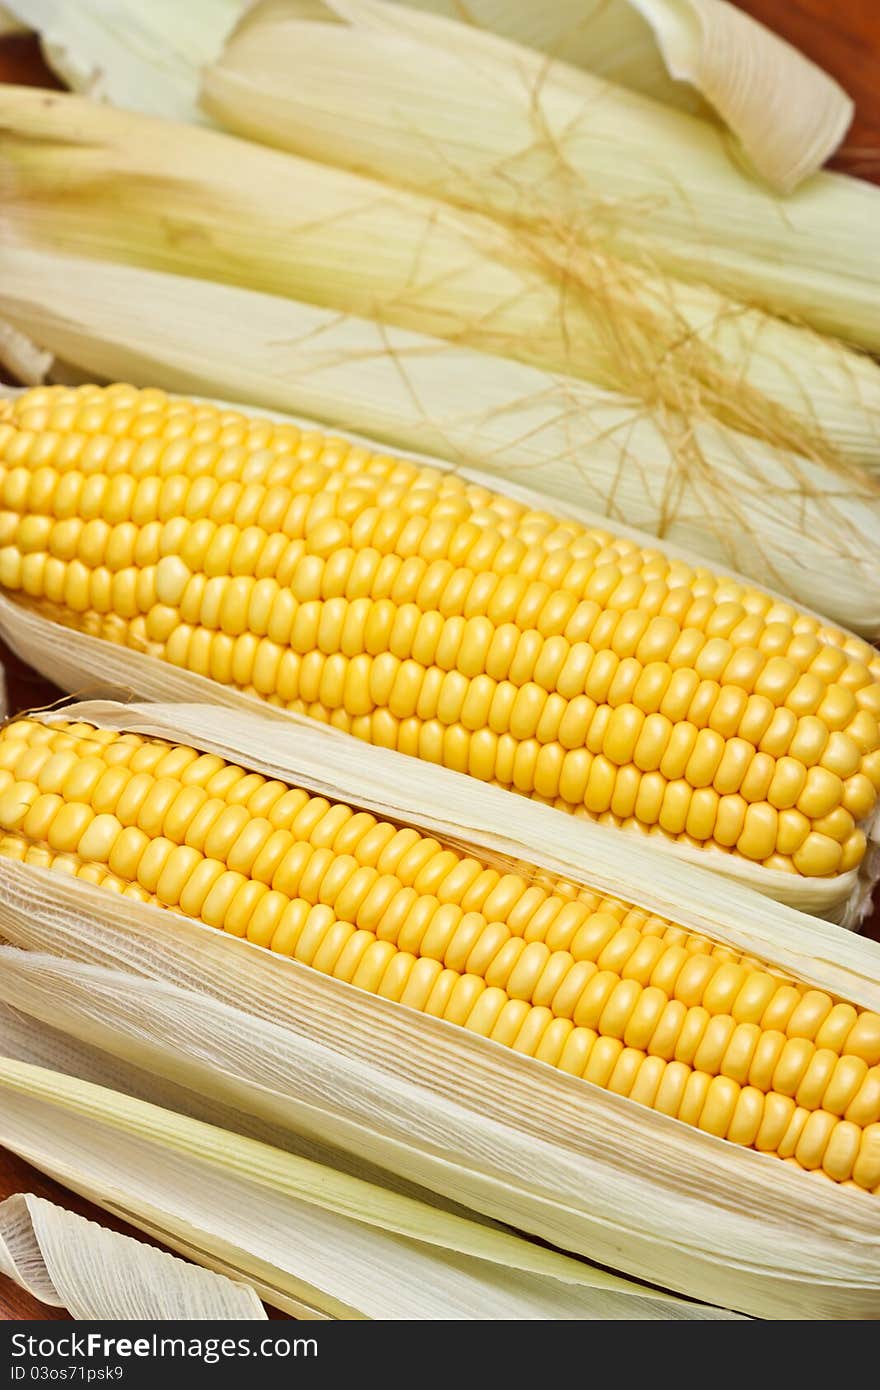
[(470, 1117), (185, 547)]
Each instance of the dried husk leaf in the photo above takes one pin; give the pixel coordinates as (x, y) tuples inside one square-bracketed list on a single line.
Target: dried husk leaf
[(273, 1213), (606, 37), (778, 517), (703, 56), (545, 145), (82, 179), (69, 1262), (788, 115), (144, 55)]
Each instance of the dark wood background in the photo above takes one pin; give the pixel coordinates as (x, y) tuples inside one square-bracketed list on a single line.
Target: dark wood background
[(842, 35)]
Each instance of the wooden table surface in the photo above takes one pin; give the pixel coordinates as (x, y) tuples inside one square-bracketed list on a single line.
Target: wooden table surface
[(842, 35)]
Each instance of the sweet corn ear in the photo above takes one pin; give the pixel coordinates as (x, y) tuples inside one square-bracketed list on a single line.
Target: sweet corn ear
[(424, 613), (585, 983)]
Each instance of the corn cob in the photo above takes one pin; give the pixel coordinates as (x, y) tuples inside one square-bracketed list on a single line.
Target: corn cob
[(422, 613), (588, 984)]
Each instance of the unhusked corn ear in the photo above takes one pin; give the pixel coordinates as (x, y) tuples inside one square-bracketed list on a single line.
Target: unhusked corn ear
[(421, 612), (591, 985)]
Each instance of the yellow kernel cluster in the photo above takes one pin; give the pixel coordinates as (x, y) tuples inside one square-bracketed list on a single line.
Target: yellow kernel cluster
[(587, 984), (423, 613)]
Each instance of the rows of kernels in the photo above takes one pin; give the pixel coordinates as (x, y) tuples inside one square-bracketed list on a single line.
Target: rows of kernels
[(30, 749), (426, 614), (18, 847), (591, 985), (124, 418)]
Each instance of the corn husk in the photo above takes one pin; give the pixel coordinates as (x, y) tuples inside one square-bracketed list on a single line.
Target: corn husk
[(699, 55), (22, 358), (311, 1240), (787, 114), (434, 1104), (71, 658), (118, 50), (703, 56), (83, 179), (607, 37), (144, 55), (548, 146), (69, 1262), (779, 518)]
